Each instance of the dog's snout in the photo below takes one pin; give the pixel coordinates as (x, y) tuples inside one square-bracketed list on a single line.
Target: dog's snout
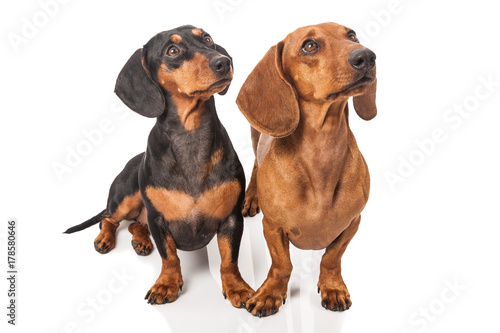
[(362, 60), (221, 65)]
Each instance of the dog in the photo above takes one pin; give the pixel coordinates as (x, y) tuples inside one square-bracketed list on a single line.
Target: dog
[(189, 183), (309, 178)]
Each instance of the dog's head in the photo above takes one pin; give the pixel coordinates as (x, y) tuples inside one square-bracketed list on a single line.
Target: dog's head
[(180, 62), (322, 64)]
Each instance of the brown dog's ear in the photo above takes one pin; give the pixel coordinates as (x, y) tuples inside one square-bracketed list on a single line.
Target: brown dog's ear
[(137, 90), (365, 104), (267, 99)]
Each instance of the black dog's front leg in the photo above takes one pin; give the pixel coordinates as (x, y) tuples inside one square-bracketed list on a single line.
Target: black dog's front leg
[(229, 238), (169, 283)]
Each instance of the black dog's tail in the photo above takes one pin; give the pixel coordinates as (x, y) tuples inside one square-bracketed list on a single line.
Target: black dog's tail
[(90, 222)]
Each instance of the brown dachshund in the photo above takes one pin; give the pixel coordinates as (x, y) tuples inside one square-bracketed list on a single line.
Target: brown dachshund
[(309, 178)]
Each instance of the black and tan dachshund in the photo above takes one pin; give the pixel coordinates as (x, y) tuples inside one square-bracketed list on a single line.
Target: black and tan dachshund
[(189, 184)]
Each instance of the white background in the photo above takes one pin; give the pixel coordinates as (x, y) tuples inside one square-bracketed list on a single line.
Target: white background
[(435, 228)]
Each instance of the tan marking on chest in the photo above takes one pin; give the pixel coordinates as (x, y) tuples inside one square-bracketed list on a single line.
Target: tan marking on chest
[(217, 202)]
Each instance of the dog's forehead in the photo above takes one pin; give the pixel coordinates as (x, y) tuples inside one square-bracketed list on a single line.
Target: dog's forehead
[(184, 34), (329, 30)]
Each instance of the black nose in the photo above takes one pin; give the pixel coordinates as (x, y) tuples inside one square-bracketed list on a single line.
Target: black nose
[(362, 60), (220, 65)]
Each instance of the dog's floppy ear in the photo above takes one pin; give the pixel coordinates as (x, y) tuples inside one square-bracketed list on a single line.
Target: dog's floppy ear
[(365, 104), (267, 99), (137, 90), (223, 51)]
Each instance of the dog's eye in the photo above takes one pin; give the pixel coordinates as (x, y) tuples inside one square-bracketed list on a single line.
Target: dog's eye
[(207, 39), (310, 46), (173, 51), (352, 36)]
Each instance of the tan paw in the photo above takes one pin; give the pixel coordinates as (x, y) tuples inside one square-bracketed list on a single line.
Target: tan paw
[(335, 298), (251, 204), (161, 293), (268, 298), (105, 241), (237, 291)]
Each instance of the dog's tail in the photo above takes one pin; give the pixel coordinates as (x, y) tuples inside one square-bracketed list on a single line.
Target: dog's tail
[(90, 222)]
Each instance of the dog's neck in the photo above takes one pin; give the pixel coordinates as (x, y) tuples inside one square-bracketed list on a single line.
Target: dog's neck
[(190, 121), (322, 137), (188, 109), (321, 122)]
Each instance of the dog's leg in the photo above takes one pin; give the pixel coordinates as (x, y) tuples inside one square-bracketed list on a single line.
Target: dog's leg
[(106, 240), (169, 283), (140, 238), (129, 208), (334, 294), (229, 238), (269, 297), (140, 234), (251, 205)]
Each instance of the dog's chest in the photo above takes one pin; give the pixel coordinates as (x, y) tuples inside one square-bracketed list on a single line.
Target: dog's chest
[(216, 202), (313, 209)]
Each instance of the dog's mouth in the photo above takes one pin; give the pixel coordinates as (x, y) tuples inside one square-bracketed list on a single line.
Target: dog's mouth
[(219, 84), (362, 81), (214, 88)]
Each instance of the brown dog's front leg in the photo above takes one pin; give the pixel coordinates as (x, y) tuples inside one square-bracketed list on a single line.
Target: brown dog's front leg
[(251, 205), (269, 297), (170, 280), (334, 293)]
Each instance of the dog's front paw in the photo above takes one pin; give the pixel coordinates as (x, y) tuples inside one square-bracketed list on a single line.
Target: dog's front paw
[(251, 204), (105, 242), (237, 291), (164, 291), (268, 298), (335, 298)]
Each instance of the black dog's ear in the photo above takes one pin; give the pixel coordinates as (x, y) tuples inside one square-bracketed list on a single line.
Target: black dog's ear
[(223, 51), (137, 90)]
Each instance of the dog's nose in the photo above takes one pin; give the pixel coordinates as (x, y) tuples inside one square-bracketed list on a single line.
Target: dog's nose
[(220, 65), (362, 60)]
